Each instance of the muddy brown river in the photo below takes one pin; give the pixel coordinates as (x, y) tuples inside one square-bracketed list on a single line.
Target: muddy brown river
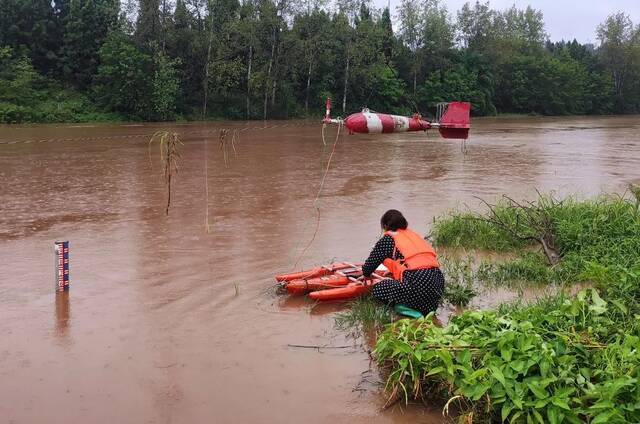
[(168, 323)]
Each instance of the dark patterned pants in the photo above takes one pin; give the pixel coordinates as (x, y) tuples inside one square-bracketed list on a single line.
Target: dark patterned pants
[(421, 290)]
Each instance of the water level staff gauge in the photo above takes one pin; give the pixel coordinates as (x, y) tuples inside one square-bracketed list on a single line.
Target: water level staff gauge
[(61, 251)]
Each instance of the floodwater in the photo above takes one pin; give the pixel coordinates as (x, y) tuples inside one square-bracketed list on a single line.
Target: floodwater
[(168, 323)]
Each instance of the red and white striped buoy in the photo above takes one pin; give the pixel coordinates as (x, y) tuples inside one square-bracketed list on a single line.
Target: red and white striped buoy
[(453, 123), (367, 122)]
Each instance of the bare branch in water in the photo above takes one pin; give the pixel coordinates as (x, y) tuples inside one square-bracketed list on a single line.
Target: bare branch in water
[(169, 143), (533, 221)]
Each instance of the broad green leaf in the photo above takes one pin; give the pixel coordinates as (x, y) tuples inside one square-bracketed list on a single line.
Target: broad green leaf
[(603, 417), (507, 407), (537, 391), (506, 354), (538, 417), (599, 306), (552, 415), (560, 403), (436, 370), (602, 404), (541, 403), (497, 374)]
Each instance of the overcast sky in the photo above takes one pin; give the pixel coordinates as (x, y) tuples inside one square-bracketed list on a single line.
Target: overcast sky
[(564, 19)]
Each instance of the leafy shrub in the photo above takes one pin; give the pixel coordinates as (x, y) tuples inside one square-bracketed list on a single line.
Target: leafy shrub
[(604, 230), (459, 280), (562, 360), (12, 114)]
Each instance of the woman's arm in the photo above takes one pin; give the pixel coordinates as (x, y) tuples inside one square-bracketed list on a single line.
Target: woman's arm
[(381, 251)]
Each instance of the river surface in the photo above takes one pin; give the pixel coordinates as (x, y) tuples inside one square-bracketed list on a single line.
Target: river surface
[(166, 322)]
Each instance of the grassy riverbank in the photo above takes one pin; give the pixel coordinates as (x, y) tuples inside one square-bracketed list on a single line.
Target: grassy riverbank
[(561, 359)]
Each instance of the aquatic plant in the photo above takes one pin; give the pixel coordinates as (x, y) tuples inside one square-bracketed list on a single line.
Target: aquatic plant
[(635, 191), (603, 230), (364, 313), (526, 268), (169, 144), (224, 144), (459, 280), (224, 147)]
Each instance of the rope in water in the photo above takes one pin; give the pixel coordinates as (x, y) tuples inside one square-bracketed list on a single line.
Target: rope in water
[(315, 202), (126, 136), (206, 185)]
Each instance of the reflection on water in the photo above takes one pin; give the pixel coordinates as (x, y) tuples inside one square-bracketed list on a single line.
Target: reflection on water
[(63, 317), (174, 324)]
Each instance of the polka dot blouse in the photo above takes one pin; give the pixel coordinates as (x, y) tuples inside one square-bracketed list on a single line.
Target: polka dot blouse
[(420, 289)]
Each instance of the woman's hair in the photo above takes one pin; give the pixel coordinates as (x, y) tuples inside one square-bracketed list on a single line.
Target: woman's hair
[(393, 220)]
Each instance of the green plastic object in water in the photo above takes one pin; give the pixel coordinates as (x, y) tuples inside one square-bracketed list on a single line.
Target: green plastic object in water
[(407, 311)]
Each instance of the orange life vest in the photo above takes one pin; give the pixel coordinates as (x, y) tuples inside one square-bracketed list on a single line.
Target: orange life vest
[(418, 254)]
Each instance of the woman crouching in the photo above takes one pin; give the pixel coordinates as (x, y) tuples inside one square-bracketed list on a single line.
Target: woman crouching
[(417, 280)]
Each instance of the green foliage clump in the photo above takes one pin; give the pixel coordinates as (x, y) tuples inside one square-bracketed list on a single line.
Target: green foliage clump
[(460, 277), (528, 267), (562, 360), (27, 96), (122, 81), (469, 230), (459, 83), (600, 231), (365, 313)]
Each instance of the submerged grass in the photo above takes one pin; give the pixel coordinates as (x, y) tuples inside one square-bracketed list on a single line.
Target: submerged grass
[(563, 359), (603, 230), (365, 313), (460, 277)]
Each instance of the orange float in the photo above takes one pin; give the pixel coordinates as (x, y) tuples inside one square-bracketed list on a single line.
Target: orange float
[(350, 291), (338, 281), (313, 273), (302, 286)]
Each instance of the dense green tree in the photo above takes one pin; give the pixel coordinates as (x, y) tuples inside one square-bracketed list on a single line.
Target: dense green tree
[(477, 25), (459, 82), (620, 54), (122, 83), (438, 34), (157, 59), (166, 87), (412, 34), (148, 28), (19, 78), (31, 28), (85, 27)]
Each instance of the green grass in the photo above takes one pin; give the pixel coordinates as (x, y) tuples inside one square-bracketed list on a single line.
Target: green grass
[(466, 229), (604, 230), (365, 313), (528, 268), (460, 277), (563, 359)]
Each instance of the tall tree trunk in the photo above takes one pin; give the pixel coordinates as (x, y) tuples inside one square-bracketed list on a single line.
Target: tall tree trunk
[(266, 85), (344, 93), (275, 80), (206, 67), (164, 24), (249, 81), (415, 77), (306, 100)]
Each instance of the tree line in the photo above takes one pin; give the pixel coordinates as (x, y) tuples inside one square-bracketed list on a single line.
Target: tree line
[(83, 60)]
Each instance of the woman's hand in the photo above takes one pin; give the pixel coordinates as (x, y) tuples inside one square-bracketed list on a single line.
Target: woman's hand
[(366, 280)]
